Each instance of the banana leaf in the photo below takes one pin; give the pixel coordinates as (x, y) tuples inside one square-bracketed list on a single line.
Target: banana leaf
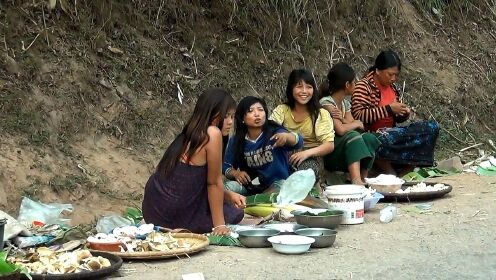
[(485, 172), (5, 267), (8, 268), (134, 214), (261, 198), (223, 240), (420, 174)]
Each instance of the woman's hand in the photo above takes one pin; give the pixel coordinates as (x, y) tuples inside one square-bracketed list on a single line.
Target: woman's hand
[(335, 112), (236, 199), (406, 112), (297, 158), (399, 118), (399, 108), (240, 176), (221, 230), (280, 139), (358, 125)]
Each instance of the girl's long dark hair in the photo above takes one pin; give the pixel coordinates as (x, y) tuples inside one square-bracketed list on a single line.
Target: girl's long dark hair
[(313, 105), (241, 129), (212, 103), (340, 74)]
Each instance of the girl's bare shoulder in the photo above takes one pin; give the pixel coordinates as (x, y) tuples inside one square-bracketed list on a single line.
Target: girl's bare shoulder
[(214, 132)]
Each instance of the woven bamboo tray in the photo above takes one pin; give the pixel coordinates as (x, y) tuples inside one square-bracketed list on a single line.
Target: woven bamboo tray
[(198, 242)]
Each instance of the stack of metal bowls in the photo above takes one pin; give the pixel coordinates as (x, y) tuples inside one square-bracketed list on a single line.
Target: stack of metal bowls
[(284, 228), (323, 237), (331, 220), (256, 238)]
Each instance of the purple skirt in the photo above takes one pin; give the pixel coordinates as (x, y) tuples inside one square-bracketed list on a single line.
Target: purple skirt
[(181, 201)]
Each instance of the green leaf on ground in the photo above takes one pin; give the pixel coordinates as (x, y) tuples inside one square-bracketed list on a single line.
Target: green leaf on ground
[(134, 214), (223, 241), (420, 174), (485, 172)]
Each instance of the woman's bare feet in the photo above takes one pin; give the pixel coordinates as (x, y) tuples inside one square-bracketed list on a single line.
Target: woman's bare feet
[(357, 181)]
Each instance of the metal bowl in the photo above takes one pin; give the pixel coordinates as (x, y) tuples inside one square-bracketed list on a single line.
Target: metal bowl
[(285, 228), (323, 237), (256, 238), (331, 221)]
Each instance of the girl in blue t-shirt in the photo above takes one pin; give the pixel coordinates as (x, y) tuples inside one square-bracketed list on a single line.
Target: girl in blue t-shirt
[(258, 149)]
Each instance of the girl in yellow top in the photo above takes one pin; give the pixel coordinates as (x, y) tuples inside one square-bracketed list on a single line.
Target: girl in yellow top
[(302, 113)]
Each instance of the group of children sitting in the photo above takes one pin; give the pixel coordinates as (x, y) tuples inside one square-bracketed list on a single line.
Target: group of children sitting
[(204, 176)]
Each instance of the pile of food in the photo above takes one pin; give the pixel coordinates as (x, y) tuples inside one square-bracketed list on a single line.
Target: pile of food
[(385, 183), (139, 239), (423, 187), (385, 179), (43, 260)]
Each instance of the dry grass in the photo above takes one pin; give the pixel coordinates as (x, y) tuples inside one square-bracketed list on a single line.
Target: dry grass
[(247, 46)]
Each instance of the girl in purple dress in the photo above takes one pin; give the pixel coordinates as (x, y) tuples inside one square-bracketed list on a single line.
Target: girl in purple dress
[(186, 190)]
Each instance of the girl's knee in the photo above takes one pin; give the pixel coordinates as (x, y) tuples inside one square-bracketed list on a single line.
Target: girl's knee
[(369, 137), (353, 133), (312, 163)]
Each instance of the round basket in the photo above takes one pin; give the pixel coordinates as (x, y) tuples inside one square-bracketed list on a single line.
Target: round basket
[(198, 242)]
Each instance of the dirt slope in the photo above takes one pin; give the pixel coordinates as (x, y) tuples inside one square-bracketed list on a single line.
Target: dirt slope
[(88, 89)]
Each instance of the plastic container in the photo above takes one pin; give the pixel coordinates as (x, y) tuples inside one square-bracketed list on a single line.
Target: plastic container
[(3, 222), (350, 200), (387, 214), (370, 202)]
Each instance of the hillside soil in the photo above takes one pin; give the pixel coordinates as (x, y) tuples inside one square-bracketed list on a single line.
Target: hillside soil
[(89, 89)]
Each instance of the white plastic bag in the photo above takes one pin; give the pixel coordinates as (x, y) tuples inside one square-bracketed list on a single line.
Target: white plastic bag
[(13, 228), (31, 211), (296, 187), (106, 224)]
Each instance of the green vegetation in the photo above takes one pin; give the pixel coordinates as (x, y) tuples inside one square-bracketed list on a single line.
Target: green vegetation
[(8, 269)]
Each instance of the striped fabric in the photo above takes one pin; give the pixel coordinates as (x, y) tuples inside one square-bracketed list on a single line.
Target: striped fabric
[(365, 101)]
